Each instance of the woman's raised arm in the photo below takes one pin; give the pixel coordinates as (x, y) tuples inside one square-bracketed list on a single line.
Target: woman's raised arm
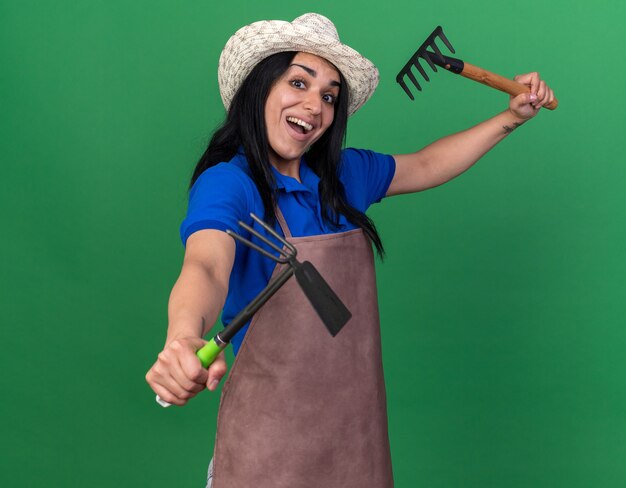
[(450, 156)]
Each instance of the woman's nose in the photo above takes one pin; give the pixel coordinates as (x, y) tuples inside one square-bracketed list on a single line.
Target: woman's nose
[(313, 103)]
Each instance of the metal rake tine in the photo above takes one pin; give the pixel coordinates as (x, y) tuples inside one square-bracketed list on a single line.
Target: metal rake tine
[(411, 76), (265, 240), (279, 238), (404, 87), (420, 69), (435, 48), (256, 248), (443, 37), (425, 56)]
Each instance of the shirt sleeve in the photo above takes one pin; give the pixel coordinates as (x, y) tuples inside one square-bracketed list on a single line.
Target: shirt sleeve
[(366, 176), (219, 199)]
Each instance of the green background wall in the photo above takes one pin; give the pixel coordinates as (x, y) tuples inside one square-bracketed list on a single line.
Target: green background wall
[(502, 297)]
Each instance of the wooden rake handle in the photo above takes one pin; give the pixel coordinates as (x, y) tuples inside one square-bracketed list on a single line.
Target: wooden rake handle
[(499, 82)]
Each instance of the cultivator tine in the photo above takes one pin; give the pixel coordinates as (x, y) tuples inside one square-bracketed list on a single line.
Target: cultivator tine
[(257, 248), (326, 303), (288, 254), (276, 236)]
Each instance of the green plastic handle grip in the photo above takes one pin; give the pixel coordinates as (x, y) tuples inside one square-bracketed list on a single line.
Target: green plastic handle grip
[(207, 353)]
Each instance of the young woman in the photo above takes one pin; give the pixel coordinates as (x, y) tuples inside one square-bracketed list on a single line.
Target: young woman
[(300, 408)]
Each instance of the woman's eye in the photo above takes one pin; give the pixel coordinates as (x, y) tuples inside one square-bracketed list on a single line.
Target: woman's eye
[(329, 99), (298, 83)]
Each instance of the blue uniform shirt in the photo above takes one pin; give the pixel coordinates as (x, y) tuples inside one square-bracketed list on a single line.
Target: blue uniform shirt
[(225, 194)]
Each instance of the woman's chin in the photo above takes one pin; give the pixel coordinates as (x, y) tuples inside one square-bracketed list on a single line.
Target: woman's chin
[(286, 156)]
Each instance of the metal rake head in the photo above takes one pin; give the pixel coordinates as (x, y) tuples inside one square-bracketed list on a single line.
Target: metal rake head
[(433, 58)]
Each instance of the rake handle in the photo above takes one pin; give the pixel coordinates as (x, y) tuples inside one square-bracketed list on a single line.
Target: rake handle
[(499, 82)]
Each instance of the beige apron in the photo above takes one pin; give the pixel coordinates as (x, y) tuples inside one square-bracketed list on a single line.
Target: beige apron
[(300, 408)]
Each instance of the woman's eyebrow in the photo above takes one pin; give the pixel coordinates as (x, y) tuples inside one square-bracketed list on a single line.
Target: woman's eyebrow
[(313, 73)]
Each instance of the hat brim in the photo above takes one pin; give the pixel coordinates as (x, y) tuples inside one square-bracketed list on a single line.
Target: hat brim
[(255, 42)]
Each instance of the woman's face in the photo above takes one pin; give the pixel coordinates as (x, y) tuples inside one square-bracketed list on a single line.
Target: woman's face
[(300, 107)]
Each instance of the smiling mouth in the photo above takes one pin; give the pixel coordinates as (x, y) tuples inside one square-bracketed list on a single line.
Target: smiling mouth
[(299, 125)]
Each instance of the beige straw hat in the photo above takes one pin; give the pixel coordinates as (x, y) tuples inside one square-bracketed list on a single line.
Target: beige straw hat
[(311, 33)]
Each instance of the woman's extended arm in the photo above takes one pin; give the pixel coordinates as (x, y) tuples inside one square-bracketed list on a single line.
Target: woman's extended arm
[(195, 303), (450, 156)]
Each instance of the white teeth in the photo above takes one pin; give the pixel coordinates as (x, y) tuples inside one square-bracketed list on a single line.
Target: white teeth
[(307, 127)]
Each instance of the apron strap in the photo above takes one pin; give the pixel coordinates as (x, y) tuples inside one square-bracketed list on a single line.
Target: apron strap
[(282, 222)]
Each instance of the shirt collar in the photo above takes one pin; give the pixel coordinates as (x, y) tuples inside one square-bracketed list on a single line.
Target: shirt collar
[(309, 180)]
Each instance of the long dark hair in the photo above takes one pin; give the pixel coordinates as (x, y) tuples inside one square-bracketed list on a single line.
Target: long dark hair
[(245, 126)]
